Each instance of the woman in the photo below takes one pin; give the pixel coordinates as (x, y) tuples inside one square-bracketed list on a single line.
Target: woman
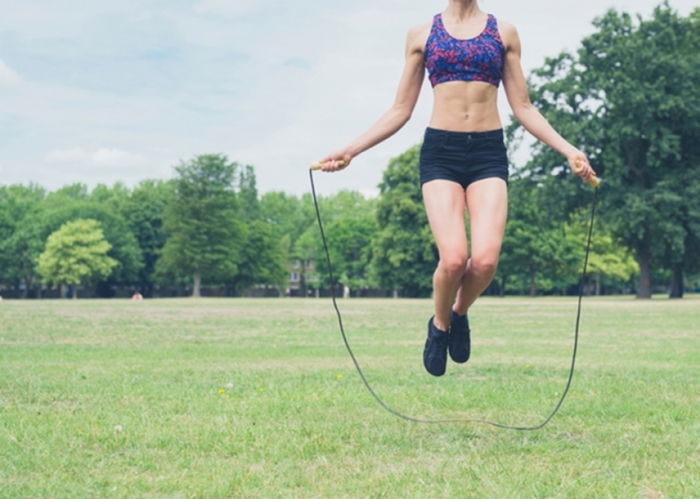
[(463, 163)]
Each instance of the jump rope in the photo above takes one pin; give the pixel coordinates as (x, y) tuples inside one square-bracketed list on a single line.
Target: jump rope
[(595, 182)]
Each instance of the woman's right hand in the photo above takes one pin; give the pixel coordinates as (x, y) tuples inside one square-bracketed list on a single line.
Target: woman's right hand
[(336, 162)]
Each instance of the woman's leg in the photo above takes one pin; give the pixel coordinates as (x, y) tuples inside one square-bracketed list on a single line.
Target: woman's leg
[(445, 203), (487, 203)]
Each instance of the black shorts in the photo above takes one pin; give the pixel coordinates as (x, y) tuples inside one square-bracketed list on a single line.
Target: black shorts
[(463, 157)]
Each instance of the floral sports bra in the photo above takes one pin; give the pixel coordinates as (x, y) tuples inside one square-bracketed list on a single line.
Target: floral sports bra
[(476, 59)]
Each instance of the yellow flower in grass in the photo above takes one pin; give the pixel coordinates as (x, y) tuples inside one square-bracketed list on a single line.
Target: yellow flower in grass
[(339, 376), (220, 390)]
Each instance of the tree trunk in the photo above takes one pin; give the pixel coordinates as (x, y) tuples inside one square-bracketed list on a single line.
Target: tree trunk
[(302, 279), (676, 281), (533, 284), (395, 293), (74, 289), (63, 289), (644, 261), (597, 285), (197, 287), (346, 292)]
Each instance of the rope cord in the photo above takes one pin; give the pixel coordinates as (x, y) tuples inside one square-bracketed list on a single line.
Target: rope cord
[(456, 420)]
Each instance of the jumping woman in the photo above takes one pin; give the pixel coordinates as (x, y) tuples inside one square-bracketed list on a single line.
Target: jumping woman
[(463, 162)]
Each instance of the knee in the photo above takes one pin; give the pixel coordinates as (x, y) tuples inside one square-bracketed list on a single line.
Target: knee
[(453, 262), (484, 266)]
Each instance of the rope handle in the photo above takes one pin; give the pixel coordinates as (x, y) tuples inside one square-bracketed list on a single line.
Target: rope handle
[(578, 166), (319, 165)]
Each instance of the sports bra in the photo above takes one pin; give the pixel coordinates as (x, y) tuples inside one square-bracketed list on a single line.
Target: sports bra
[(476, 59)]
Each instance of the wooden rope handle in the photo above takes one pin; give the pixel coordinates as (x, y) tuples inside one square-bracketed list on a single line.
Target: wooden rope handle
[(319, 165), (594, 181)]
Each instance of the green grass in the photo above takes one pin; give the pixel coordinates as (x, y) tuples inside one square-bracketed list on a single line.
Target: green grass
[(221, 398)]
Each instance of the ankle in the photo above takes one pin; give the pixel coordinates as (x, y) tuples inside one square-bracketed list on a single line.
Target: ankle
[(441, 326), (459, 311)]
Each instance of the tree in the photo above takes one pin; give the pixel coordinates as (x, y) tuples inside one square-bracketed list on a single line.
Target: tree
[(350, 226), (74, 203), (404, 255), (20, 235), (76, 253), (629, 96), (539, 253), (263, 257), (350, 239), (261, 260), (144, 210), (248, 194), (202, 222)]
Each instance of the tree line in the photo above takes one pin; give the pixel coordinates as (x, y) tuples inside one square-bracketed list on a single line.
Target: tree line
[(628, 96)]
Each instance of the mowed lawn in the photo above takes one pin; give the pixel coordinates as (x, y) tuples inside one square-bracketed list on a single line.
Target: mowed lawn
[(251, 398)]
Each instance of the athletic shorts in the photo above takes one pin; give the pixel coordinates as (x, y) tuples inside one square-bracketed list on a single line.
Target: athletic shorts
[(462, 157)]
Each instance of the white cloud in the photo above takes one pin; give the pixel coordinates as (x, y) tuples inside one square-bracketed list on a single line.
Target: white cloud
[(8, 76), (116, 157), (226, 7), (76, 154), (98, 157)]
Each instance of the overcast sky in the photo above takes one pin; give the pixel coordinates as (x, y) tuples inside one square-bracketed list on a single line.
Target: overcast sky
[(99, 92)]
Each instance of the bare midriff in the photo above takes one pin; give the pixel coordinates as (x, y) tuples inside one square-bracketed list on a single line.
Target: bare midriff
[(465, 106)]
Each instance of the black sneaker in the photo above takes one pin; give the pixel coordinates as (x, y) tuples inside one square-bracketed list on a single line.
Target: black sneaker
[(435, 351), (459, 337)]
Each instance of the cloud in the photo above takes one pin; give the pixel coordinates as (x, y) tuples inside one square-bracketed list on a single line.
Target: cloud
[(8, 76), (226, 7), (98, 157)]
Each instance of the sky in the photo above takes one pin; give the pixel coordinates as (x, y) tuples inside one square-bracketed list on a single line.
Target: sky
[(101, 92)]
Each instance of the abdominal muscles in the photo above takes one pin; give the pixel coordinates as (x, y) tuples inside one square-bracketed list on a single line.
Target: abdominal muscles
[(465, 106)]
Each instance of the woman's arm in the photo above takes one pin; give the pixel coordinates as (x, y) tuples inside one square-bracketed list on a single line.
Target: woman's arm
[(399, 113), (527, 114)]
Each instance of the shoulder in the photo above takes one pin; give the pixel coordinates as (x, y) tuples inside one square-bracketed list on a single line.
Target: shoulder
[(418, 35), (509, 34)]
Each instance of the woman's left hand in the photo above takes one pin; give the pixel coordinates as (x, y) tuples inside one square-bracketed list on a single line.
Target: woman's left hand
[(580, 166)]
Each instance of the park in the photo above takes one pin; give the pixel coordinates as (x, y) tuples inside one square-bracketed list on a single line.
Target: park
[(223, 397)]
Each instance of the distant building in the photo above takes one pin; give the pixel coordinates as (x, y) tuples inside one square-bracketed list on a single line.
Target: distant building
[(303, 280)]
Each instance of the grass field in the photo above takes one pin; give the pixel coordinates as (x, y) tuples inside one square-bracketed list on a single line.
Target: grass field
[(222, 398)]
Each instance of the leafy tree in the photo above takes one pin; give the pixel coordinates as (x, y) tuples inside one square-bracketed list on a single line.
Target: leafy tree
[(248, 194), (205, 233), (350, 226), (20, 240), (262, 260), (144, 210), (350, 239), (115, 197), (59, 208), (292, 221), (630, 96), (287, 214), (76, 253), (609, 261), (403, 251), (538, 252)]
